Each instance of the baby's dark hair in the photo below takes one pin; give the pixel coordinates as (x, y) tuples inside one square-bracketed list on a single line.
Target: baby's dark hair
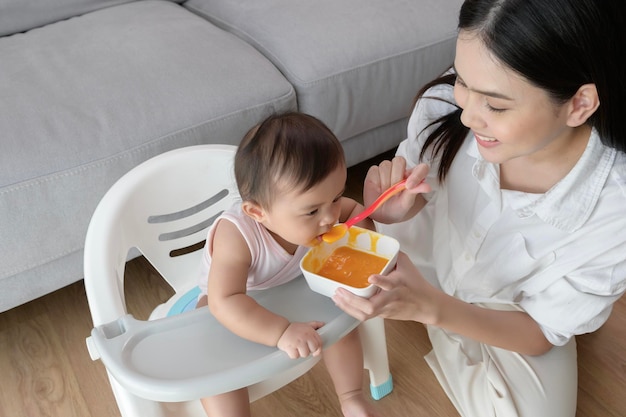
[(285, 151)]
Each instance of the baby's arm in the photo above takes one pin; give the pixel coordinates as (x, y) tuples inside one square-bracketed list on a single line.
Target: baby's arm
[(240, 313), (301, 340)]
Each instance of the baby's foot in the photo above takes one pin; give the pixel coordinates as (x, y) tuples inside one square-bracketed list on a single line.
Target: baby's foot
[(355, 404)]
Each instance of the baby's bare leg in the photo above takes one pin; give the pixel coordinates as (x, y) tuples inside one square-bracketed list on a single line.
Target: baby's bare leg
[(230, 404), (344, 361)]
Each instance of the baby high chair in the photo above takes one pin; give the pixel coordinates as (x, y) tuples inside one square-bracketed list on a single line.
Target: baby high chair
[(160, 367)]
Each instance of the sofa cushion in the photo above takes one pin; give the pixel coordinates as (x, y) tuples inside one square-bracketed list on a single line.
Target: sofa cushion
[(22, 15), (86, 99), (356, 64)]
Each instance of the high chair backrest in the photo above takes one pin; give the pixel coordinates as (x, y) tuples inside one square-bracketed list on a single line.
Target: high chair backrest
[(162, 208)]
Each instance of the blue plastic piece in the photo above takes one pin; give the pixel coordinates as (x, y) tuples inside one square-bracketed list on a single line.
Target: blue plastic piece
[(383, 389), (186, 302)]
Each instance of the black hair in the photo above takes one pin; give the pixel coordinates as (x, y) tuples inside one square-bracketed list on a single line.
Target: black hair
[(556, 45), (289, 150)]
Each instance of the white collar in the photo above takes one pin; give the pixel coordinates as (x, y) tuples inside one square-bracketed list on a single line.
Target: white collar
[(570, 202)]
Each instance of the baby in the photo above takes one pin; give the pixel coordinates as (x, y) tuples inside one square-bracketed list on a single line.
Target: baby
[(291, 175)]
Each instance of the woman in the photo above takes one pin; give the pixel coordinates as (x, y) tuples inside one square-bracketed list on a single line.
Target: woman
[(519, 243)]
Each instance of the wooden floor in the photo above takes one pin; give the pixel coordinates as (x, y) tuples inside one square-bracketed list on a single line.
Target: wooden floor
[(45, 369)]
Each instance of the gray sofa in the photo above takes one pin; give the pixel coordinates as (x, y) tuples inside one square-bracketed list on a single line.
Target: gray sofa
[(91, 88)]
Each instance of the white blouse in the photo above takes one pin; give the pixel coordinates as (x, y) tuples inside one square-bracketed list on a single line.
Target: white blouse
[(559, 256)]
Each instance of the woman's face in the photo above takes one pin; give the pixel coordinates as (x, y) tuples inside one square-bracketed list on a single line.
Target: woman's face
[(510, 117)]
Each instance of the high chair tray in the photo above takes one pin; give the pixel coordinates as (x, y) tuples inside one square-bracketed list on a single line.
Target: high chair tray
[(191, 355)]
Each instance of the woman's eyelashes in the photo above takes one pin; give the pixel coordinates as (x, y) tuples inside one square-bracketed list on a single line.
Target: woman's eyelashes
[(459, 82), (494, 109)]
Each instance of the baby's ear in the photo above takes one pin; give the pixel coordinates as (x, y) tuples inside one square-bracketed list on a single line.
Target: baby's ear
[(253, 210), (584, 103)]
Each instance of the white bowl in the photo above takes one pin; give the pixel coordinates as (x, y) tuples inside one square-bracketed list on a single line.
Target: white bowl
[(356, 238)]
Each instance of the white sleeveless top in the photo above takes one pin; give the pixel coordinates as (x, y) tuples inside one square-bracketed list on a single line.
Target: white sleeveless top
[(271, 264)]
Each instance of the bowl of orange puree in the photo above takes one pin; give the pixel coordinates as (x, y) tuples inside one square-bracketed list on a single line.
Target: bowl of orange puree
[(349, 261)]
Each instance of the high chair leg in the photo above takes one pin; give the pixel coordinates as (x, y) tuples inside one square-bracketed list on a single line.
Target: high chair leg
[(375, 358)]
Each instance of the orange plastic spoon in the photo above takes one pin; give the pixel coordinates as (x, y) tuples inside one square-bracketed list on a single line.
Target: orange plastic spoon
[(340, 229)]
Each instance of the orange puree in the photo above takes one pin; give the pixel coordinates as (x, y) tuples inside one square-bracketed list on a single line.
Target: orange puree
[(351, 267)]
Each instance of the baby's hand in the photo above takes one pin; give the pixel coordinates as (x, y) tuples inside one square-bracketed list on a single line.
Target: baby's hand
[(301, 340)]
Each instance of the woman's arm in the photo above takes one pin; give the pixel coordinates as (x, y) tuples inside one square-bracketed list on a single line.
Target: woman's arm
[(511, 330), (406, 295)]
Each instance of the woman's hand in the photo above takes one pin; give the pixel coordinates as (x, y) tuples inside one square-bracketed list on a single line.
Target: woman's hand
[(301, 340), (404, 295), (403, 205)]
